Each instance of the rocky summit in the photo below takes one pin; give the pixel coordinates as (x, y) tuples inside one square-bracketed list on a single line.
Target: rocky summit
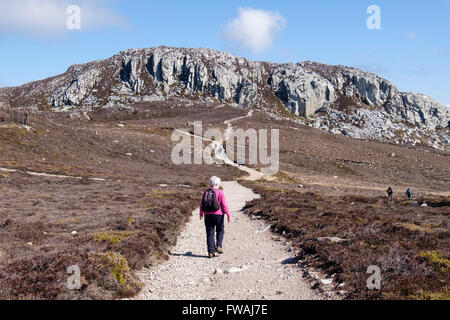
[(337, 99)]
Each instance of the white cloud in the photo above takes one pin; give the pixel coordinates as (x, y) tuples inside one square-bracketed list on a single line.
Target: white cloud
[(254, 29), (48, 18)]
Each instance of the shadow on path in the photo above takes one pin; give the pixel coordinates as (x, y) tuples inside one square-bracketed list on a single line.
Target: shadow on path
[(188, 254)]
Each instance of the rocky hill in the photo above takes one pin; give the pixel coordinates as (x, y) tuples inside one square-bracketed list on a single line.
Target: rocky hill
[(338, 99)]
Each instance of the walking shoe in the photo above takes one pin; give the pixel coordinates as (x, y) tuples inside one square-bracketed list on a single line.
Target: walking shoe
[(211, 255), (219, 250)]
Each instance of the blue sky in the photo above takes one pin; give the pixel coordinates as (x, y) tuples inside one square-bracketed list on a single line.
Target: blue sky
[(412, 49)]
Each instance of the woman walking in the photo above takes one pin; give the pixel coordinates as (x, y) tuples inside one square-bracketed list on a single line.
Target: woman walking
[(213, 208)]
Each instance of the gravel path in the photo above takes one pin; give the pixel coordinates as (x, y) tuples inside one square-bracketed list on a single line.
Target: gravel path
[(256, 264), (48, 175)]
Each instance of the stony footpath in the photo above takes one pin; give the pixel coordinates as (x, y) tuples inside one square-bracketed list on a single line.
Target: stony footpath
[(256, 264)]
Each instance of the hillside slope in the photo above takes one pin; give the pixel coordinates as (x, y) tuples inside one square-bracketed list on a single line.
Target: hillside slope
[(338, 99)]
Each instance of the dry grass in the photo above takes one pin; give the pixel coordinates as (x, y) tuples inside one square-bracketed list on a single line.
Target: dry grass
[(410, 244), (122, 224), (112, 240)]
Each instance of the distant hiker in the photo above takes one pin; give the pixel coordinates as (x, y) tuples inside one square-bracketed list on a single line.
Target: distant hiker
[(409, 193), (214, 207), (390, 193)]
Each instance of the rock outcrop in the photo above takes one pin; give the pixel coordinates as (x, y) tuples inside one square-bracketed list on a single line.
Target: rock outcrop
[(301, 90), (374, 91), (338, 99)]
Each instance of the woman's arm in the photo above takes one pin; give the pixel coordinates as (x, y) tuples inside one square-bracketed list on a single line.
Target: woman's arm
[(201, 211), (224, 205)]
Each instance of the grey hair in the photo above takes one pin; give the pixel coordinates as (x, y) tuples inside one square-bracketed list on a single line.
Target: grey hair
[(214, 181)]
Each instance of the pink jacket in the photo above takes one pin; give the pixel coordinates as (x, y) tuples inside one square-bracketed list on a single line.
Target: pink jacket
[(223, 205)]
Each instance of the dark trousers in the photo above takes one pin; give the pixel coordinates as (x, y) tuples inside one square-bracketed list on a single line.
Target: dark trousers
[(214, 223)]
